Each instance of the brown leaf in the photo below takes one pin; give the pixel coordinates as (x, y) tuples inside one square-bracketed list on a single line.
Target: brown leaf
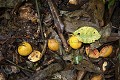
[(84, 66)]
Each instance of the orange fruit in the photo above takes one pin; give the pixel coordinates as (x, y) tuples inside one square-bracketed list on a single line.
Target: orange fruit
[(24, 49), (97, 77), (106, 51), (53, 44), (92, 53), (74, 42)]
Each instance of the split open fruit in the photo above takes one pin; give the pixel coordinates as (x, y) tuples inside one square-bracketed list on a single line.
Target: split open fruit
[(35, 56), (104, 52), (92, 53)]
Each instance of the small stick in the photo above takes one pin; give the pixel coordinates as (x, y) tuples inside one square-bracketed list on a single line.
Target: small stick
[(48, 71), (81, 74), (44, 47), (18, 66), (58, 24), (55, 15), (39, 21)]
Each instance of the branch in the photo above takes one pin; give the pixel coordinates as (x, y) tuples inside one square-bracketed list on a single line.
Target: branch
[(58, 23), (48, 71), (81, 74), (19, 66)]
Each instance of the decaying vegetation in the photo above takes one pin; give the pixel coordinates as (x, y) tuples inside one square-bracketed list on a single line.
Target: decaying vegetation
[(38, 40)]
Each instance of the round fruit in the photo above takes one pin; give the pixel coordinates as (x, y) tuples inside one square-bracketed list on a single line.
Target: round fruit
[(35, 56), (25, 49), (53, 44), (74, 42), (92, 53), (97, 77), (106, 51)]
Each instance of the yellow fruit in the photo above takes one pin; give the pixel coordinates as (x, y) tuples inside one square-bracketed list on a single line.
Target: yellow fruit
[(97, 77), (25, 49), (74, 42), (106, 51), (92, 53), (35, 56), (53, 44)]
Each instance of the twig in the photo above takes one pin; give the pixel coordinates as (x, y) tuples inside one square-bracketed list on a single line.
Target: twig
[(18, 66), (81, 74), (62, 61), (44, 47), (116, 28), (48, 71), (58, 23), (55, 15), (40, 29), (7, 38)]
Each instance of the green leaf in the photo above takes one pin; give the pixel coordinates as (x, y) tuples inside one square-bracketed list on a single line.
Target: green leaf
[(111, 3), (87, 34), (77, 59)]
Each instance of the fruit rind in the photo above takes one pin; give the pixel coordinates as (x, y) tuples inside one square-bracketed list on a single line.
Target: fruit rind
[(106, 51), (92, 53), (35, 56)]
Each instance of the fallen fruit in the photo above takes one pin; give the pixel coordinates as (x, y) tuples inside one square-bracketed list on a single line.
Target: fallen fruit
[(98, 77), (92, 53), (35, 56), (73, 2), (53, 44), (74, 42), (106, 51), (24, 49)]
